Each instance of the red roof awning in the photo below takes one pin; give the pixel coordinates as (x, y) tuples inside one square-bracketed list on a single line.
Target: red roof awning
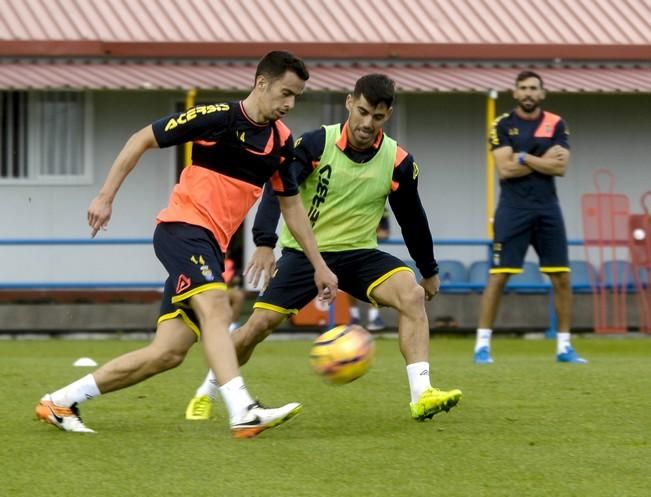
[(416, 77), (400, 29)]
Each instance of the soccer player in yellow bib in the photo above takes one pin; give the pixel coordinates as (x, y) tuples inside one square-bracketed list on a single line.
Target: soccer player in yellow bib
[(346, 171)]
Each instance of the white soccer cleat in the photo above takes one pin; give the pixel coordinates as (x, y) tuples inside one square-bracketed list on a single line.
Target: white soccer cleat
[(64, 418), (258, 419)]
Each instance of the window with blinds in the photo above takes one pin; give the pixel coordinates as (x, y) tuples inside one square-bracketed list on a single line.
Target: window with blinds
[(42, 135)]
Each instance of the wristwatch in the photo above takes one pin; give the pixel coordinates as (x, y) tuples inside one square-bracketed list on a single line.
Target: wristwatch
[(522, 158)]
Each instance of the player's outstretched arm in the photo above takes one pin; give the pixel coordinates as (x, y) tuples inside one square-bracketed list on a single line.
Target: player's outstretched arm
[(299, 225), (99, 211)]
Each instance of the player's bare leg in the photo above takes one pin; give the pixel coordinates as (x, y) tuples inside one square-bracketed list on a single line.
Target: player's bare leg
[(171, 343), (403, 293), (259, 326), (214, 313), (200, 406), (245, 338), (488, 307), (248, 417), (563, 305), (168, 349)]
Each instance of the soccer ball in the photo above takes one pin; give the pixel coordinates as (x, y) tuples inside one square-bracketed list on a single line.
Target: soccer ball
[(342, 354)]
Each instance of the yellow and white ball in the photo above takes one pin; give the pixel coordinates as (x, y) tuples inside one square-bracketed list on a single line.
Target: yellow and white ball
[(342, 354)]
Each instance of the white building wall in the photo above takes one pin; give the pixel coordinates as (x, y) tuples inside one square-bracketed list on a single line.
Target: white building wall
[(445, 132), (59, 211)]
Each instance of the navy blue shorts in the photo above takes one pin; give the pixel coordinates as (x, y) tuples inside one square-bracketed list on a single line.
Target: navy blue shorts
[(358, 271), (194, 263), (517, 228)]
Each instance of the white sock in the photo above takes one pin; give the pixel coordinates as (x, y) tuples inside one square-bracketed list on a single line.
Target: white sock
[(209, 387), (79, 391), (354, 312), (418, 374), (373, 313), (236, 397), (483, 338), (562, 342)]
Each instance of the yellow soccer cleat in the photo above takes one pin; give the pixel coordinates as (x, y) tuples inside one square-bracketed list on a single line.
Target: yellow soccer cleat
[(432, 401), (199, 408)]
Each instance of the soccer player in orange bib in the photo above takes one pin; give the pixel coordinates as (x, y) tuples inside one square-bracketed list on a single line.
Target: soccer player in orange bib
[(237, 147)]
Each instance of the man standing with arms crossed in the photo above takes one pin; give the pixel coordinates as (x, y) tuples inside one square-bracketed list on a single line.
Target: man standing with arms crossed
[(530, 148), (237, 147)]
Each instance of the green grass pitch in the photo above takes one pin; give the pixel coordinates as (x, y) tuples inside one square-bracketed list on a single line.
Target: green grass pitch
[(526, 426)]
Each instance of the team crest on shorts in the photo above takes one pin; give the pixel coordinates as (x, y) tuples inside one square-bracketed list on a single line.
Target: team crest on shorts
[(207, 273), (497, 248), (205, 268)]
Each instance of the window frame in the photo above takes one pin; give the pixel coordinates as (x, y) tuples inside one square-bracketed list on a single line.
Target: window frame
[(34, 176)]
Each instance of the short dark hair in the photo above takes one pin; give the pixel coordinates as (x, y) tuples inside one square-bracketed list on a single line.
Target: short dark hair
[(376, 88), (528, 74), (275, 64)]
